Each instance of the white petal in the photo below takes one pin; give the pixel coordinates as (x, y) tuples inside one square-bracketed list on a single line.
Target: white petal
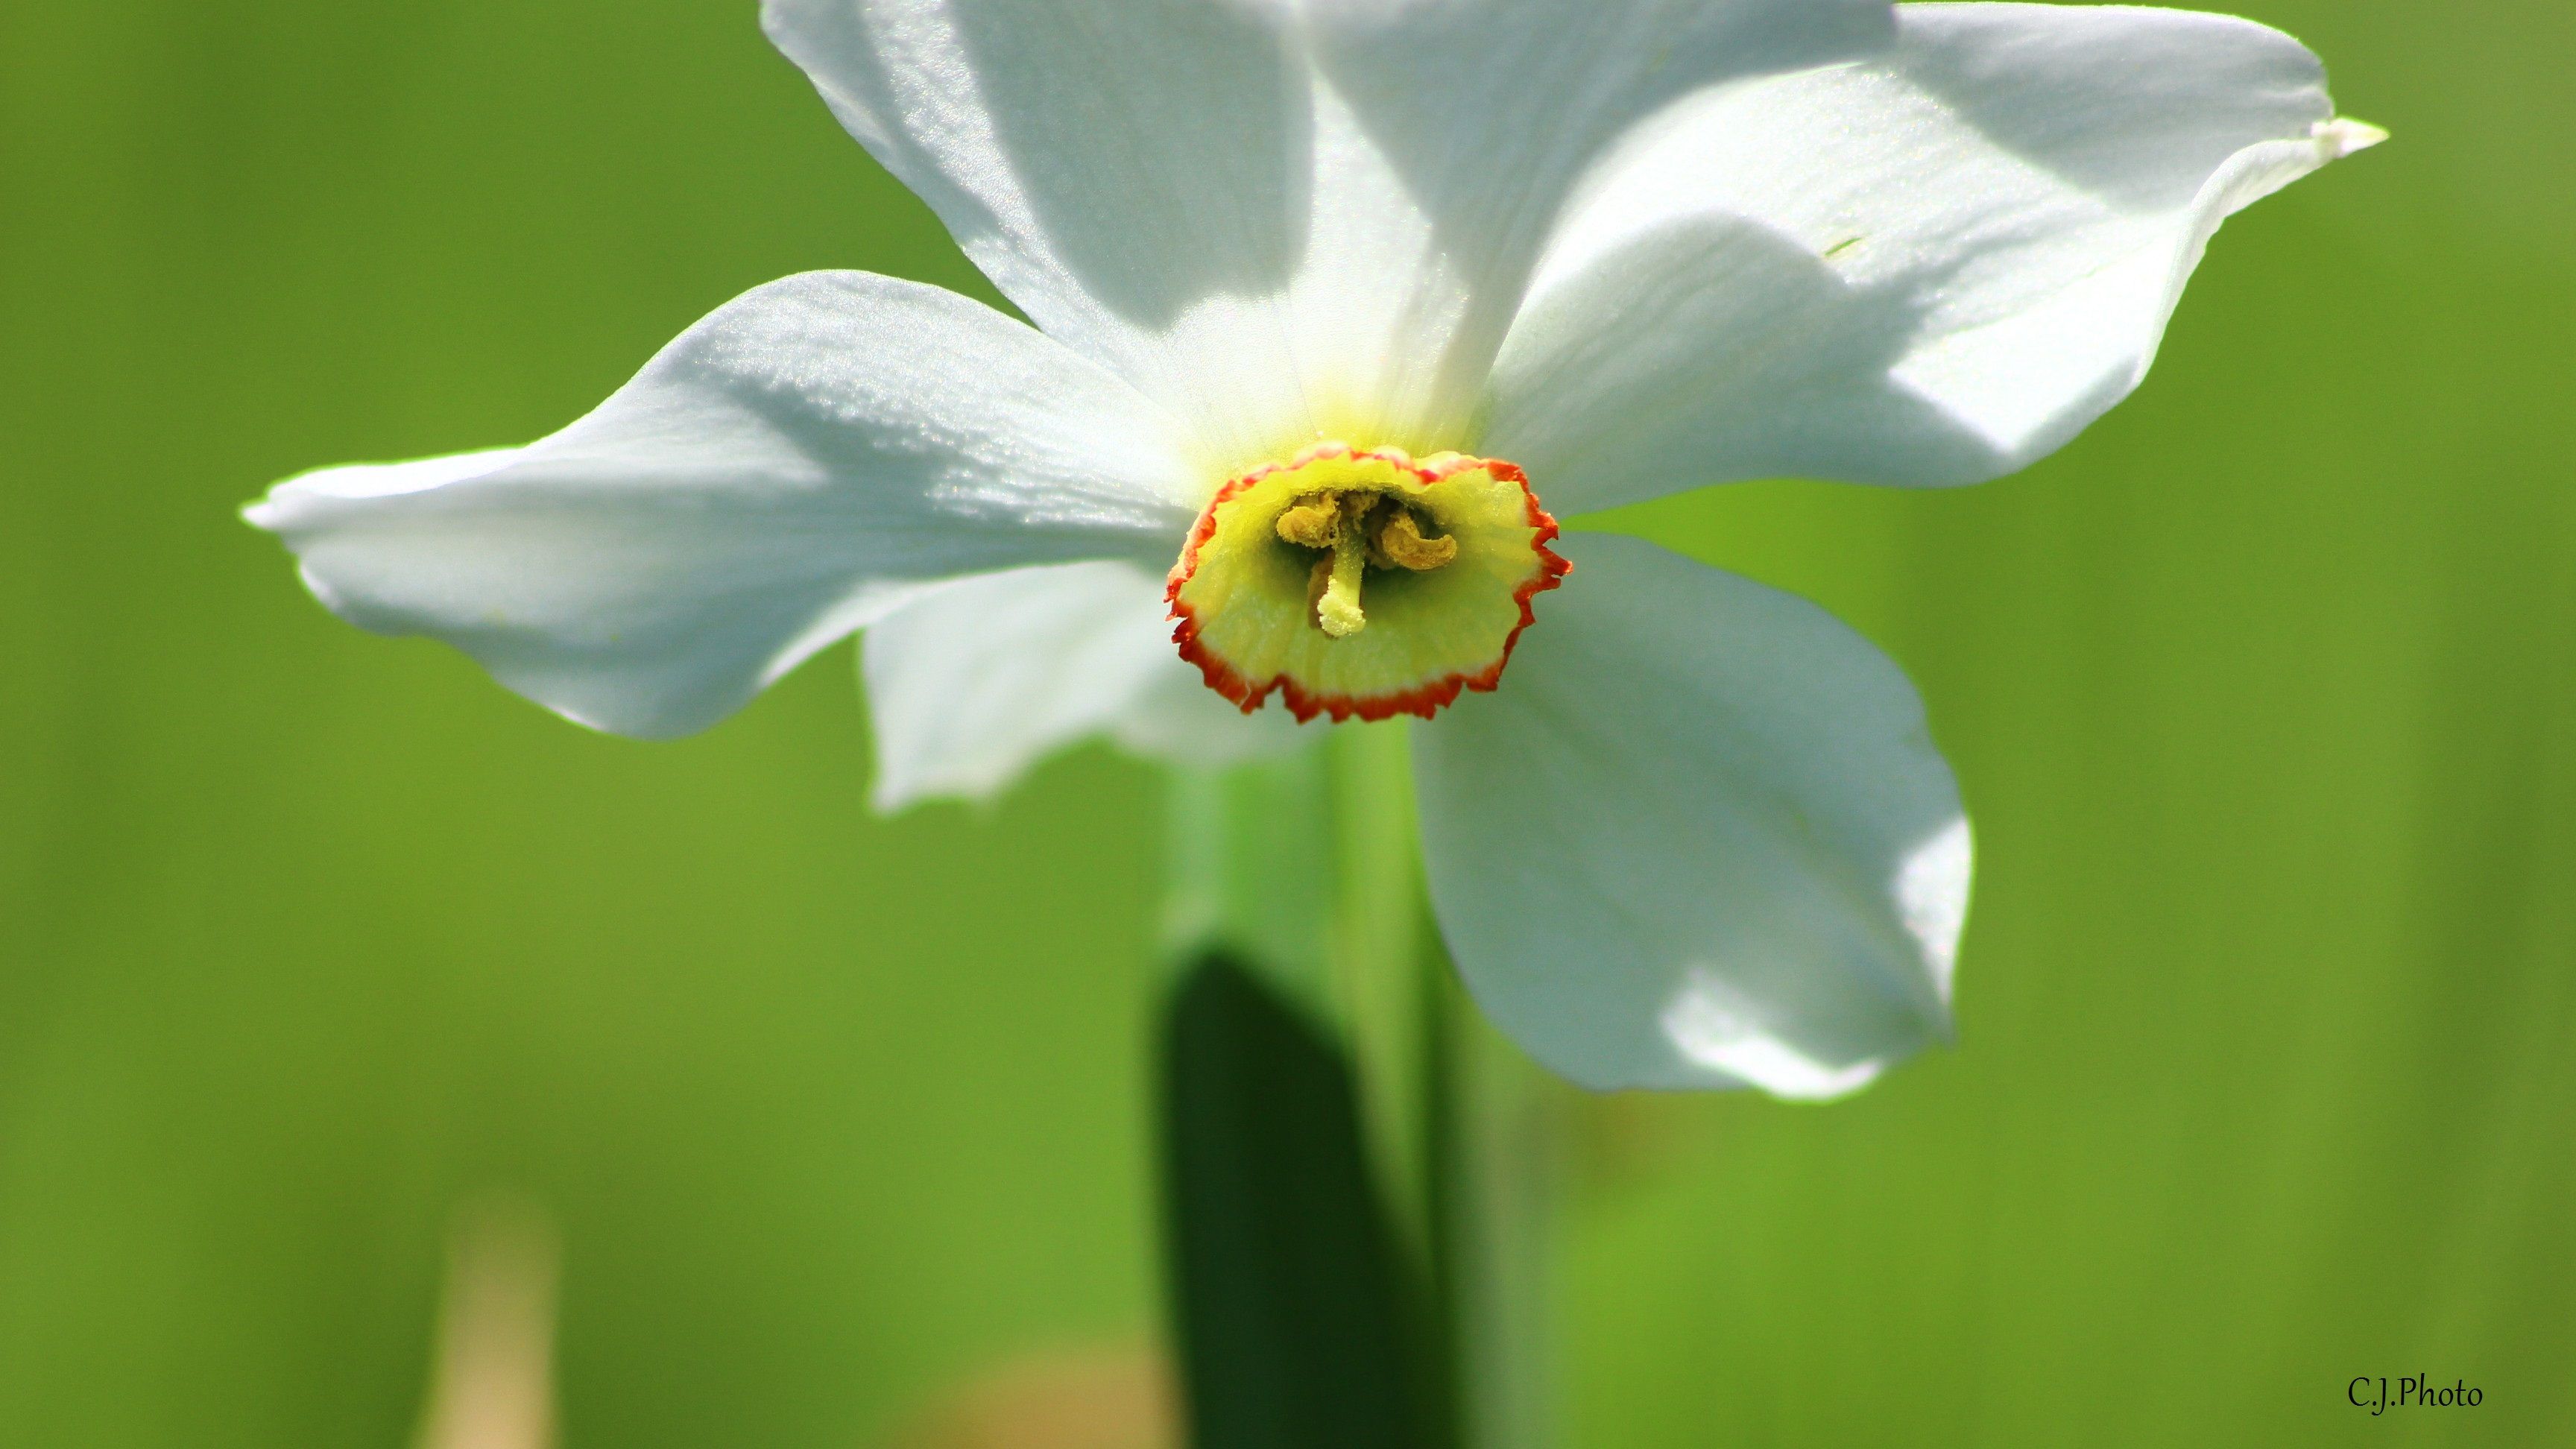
[(1280, 218), (795, 464), (1698, 838), (976, 680), (1930, 268)]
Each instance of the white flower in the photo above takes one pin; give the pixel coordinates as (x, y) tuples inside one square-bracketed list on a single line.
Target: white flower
[(1696, 834)]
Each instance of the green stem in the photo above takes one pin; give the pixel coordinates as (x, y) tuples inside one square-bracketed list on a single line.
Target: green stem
[(1501, 1165), (1351, 1172)]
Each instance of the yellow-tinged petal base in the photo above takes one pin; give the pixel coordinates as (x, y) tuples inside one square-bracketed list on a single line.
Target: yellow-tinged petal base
[(1362, 583)]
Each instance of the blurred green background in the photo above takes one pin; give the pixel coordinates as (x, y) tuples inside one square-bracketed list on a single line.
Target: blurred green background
[(2260, 693)]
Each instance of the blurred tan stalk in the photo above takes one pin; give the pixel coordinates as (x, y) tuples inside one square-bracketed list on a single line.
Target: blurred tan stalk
[(1108, 1397), (493, 1384)]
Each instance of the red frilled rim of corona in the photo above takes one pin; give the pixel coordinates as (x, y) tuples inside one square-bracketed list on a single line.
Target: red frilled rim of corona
[(1241, 609)]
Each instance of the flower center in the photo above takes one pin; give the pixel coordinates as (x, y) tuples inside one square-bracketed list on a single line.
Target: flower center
[(1354, 532), (1360, 582)]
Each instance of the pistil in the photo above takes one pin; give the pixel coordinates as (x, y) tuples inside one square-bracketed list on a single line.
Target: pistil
[(1337, 605)]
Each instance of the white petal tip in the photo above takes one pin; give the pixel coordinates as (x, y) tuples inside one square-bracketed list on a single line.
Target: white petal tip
[(1709, 1026), (2343, 135), (293, 498), (888, 798), (895, 797)]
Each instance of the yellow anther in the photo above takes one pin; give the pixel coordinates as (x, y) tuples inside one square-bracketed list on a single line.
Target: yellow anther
[(1313, 521), (1399, 540)]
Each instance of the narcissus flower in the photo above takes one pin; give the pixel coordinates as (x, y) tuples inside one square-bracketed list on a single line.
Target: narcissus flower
[(1339, 306)]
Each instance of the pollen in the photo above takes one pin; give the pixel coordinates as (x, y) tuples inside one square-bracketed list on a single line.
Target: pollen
[(1361, 582)]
